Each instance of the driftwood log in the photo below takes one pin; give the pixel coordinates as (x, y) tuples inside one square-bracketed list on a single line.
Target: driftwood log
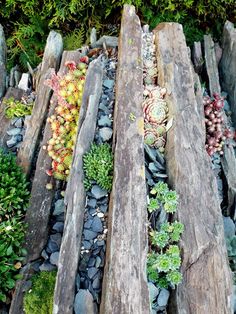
[(124, 285), (206, 286), (51, 59), (75, 194)]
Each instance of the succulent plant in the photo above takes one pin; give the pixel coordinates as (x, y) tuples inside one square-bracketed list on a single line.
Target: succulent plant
[(69, 91)]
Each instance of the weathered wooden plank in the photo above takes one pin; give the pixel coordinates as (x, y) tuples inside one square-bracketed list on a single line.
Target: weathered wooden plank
[(51, 59), (124, 284), (206, 286), (211, 65), (75, 195), (228, 65), (3, 61), (38, 213), (4, 122)]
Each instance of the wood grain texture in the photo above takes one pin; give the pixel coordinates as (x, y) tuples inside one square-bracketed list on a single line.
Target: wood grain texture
[(207, 282), (124, 285), (75, 194), (51, 60)]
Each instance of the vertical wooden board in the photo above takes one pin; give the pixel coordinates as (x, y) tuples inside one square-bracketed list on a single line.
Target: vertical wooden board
[(51, 59), (125, 284), (75, 194), (38, 212), (206, 286)]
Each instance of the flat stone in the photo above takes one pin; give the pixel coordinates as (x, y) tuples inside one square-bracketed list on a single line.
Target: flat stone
[(88, 223), (56, 238), (163, 297), (153, 291), (96, 283), (13, 132), (19, 123), (87, 245), (77, 282), (98, 192), (104, 108), (92, 202), (108, 83), (46, 266), (12, 142), (58, 226), (89, 235), (54, 258), (229, 227), (91, 262), (98, 261), (105, 134), (84, 303), (52, 247), (103, 208), (44, 254), (59, 207), (24, 82), (97, 225), (92, 272), (100, 243), (104, 121)]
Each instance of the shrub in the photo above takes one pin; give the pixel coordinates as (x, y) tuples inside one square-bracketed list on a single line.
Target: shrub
[(98, 166), (14, 197), (39, 299)]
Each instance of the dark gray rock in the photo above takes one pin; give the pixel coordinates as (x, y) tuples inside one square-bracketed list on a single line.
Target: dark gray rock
[(153, 291), (27, 286), (92, 202), (60, 218), (91, 262), (58, 226), (44, 254), (163, 297), (98, 261), (97, 283), (108, 84), (13, 132), (87, 245), (52, 247), (98, 192), (46, 266), (54, 258), (89, 235), (88, 223), (105, 134), (84, 303), (100, 243), (12, 142), (59, 207), (19, 123), (103, 208), (56, 238), (3, 61), (104, 108), (104, 121), (77, 282), (97, 225), (229, 227), (92, 272)]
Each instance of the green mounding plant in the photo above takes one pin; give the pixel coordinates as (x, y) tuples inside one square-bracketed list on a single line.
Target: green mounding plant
[(164, 259), (15, 108), (14, 196), (98, 166), (39, 299)]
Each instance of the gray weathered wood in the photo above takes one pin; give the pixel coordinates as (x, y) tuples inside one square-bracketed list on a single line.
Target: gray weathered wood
[(3, 61), (207, 282), (211, 65), (51, 59), (228, 65), (4, 122), (75, 195), (124, 285), (38, 212)]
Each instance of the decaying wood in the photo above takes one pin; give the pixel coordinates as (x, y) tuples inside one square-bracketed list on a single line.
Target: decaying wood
[(124, 285), (4, 122), (75, 195), (211, 65), (51, 59), (38, 213), (207, 283)]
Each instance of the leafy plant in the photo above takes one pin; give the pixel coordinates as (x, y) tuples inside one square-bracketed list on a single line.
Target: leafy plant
[(98, 166), (14, 197), (75, 39), (15, 108), (163, 197), (39, 299)]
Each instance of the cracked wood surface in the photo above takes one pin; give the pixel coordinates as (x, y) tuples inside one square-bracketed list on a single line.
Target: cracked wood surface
[(124, 285), (207, 282), (75, 194)]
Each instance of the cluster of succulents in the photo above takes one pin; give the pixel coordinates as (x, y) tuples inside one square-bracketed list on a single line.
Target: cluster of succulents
[(164, 258), (155, 111), (15, 108), (217, 132), (69, 91)]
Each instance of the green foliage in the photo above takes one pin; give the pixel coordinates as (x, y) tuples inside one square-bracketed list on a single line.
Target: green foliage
[(75, 39), (163, 196), (14, 197), (164, 258), (15, 108), (98, 166), (27, 36), (231, 248), (39, 299)]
